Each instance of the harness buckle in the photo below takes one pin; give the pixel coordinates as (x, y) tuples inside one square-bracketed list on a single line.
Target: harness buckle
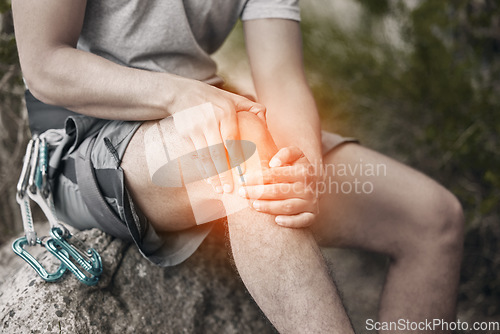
[(22, 184)]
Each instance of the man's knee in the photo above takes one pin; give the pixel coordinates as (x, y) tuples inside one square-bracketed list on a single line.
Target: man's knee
[(440, 224), (254, 129), (452, 221)]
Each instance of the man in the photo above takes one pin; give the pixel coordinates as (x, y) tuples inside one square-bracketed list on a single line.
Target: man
[(121, 69)]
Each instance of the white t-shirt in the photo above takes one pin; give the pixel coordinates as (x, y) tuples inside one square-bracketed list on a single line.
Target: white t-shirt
[(175, 36)]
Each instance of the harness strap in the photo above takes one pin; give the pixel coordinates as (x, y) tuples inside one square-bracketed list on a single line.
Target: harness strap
[(87, 183)]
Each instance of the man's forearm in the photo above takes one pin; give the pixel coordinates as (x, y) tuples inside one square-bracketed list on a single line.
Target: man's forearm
[(293, 120), (94, 86), (57, 73), (281, 85)]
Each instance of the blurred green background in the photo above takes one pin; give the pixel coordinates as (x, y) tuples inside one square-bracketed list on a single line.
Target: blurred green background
[(416, 80)]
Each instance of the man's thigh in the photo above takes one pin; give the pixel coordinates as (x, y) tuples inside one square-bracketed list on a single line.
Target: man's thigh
[(372, 202), (171, 208), (154, 201)]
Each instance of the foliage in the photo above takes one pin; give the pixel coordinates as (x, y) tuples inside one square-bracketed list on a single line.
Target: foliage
[(430, 99)]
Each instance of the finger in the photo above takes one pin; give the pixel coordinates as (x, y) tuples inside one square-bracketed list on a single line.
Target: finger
[(286, 156), (300, 220), (253, 107), (277, 191), (287, 174), (290, 206), (230, 133), (205, 159), (191, 159), (237, 155), (219, 158), (199, 166)]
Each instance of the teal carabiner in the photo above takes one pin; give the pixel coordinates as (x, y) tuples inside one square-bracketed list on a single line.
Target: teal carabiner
[(18, 248), (90, 262), (34, 184)]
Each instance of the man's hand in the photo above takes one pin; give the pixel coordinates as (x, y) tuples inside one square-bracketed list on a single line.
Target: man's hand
[(286, 189), (206, 117)]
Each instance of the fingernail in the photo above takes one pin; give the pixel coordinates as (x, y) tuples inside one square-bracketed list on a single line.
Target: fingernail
[(209, 181), (275, 162), (218, 189), (256, 205), (228, 188), (279, 220), (242, 192)]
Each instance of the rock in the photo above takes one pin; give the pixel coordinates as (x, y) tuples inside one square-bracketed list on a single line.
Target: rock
[(202, 295)]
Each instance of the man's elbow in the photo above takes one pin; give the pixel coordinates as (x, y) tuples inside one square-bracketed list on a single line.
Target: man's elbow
[(39, 76), (38, 86), (32, 83)]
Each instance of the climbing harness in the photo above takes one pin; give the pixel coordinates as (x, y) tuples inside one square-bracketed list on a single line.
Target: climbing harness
[(33, 184)]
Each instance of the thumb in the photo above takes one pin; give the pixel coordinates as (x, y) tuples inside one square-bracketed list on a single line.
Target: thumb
[(286, 156)]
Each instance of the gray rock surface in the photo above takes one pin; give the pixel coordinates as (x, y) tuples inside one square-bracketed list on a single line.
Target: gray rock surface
[(202, 295)]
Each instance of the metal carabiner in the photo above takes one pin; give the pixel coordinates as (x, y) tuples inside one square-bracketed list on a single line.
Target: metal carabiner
[(18, 248), (22, 184), (90, 261), (34, 163), (33, 184)]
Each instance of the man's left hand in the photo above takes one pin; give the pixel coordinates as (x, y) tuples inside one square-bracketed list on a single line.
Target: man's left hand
[(286, 189)]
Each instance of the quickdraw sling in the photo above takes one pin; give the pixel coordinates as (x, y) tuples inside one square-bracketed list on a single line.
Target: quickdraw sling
[(33, 184)]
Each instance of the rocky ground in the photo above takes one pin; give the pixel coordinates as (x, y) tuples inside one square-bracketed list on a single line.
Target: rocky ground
[(203, 295)]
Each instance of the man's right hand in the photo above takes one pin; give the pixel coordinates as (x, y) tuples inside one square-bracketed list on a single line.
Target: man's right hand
[(206, 117)]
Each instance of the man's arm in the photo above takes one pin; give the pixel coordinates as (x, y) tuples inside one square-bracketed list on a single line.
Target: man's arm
[(47, 32), (274, 48), (57, 73)]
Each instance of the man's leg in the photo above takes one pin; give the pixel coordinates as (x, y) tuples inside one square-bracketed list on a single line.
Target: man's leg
[(401, 213), (282, 268)]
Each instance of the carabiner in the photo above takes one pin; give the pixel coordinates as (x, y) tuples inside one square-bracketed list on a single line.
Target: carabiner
[(22, 184), (90, 262), (33, 184), (34, 163), (18, 248)]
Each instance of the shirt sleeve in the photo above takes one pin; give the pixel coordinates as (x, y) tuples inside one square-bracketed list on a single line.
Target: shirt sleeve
[(267, 9)]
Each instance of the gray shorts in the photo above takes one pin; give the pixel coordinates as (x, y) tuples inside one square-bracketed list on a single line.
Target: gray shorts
[(72, 137)]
